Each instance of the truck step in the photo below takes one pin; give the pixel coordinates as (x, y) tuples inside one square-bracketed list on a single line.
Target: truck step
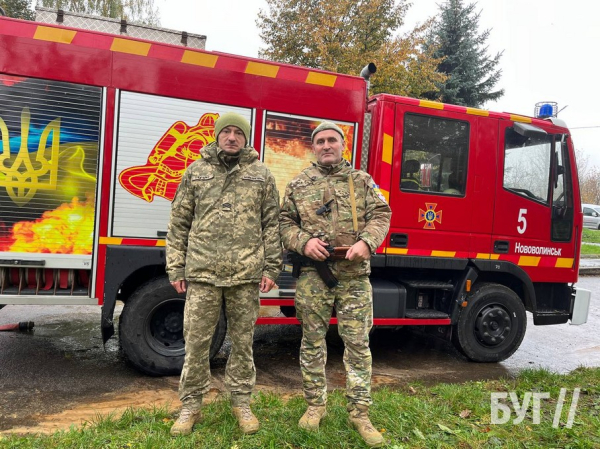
[(420, 284), (550, 316), (425, 314)]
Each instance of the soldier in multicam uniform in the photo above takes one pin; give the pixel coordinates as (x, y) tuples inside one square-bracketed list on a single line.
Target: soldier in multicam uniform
[(358, 217), (223, 245)]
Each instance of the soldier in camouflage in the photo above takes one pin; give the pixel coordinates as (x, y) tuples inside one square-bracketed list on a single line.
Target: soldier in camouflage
[(222, 247), (358, 217)]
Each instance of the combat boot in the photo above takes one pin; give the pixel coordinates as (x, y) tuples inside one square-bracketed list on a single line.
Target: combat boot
[(185, 422), (312, 417), (246, 419), (359, 418)]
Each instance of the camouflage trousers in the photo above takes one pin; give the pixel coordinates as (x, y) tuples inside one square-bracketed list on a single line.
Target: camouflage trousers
[(202, 308), (353, 302)]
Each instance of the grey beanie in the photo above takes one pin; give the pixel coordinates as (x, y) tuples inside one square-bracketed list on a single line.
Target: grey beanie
[(233, 119), (326, 125)]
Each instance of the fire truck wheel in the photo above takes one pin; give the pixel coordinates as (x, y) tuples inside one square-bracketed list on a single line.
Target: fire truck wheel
[(492, 326), (151, 329)]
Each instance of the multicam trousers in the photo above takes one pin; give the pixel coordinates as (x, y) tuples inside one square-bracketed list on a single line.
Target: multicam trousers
[(202, 309), (353, 301)]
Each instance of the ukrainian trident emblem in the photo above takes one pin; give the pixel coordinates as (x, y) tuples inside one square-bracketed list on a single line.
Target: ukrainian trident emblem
[(20, 175)]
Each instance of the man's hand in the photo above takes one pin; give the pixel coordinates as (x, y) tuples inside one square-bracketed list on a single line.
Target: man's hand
[(267, 284), (358, 252), (180, 286), (316, 249)]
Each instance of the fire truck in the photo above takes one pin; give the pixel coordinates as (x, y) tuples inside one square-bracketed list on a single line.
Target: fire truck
[(97, 129)]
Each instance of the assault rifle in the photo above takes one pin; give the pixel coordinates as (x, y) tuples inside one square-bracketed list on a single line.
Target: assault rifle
[(335, 253)]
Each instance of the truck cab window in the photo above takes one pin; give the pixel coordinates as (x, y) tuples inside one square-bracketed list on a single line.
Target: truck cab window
[(527, 165), (562, 196), (434, 155)]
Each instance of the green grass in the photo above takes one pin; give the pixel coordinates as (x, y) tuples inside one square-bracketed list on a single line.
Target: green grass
[(591, 236), (590, 250), (411, 416)]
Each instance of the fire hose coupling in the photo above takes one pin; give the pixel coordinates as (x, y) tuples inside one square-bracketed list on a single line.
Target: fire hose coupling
[(23, 326)]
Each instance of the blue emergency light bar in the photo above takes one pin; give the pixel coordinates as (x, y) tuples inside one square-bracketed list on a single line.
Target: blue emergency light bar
[(545, 109)]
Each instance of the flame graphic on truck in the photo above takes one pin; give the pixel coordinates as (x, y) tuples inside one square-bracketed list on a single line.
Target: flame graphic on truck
[(291, 136), (65, 230)]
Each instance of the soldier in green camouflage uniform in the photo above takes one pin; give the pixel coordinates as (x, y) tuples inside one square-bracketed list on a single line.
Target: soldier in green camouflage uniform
[(307, 232), (223, 246)]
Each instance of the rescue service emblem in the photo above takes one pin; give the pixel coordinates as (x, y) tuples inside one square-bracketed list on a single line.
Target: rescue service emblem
[(430, 216)]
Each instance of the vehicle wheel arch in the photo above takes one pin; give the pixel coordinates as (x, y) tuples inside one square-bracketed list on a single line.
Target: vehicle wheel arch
[(511, 276), (138, 278), (126, 269)]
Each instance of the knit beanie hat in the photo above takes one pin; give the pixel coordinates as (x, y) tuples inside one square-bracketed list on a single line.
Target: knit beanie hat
[(233, 119), (326, 125)]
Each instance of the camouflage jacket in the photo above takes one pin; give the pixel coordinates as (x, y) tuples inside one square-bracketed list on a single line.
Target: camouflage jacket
[(224, 227), (313, 188)]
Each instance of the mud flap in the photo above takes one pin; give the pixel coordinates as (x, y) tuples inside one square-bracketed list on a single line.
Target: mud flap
[(121, 263)]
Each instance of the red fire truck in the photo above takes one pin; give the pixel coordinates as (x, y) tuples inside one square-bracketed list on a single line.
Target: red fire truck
[(97, 129)]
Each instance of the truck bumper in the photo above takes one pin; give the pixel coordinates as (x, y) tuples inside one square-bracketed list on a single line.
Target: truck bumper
[(581, 306)]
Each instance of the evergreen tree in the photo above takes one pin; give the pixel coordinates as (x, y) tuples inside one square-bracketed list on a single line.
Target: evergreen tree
[(18, 9), (471, 73), (138, 11)]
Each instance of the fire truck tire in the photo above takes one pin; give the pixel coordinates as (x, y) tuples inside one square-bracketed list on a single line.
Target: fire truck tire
[(492, 325), (151, 329)]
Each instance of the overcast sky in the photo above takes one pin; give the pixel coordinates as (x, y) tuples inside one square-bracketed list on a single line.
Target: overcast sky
[(550, 50)]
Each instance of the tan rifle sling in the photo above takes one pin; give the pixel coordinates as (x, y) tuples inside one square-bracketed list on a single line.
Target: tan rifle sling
[(353, 203)]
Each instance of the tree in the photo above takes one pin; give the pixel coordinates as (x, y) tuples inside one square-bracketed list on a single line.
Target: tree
[(345, 35), (18, 9), (471, 73), (589, 178), (138, 11), (590, 186)]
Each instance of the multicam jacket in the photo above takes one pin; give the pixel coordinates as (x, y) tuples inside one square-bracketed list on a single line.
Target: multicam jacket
[(316, 186), (224, 226)]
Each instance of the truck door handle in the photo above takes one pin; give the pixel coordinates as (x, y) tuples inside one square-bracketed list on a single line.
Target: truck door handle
[(399, 240), (501, 246)]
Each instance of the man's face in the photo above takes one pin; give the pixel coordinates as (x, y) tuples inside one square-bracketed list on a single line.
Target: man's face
[(231, 140), (328, 146)]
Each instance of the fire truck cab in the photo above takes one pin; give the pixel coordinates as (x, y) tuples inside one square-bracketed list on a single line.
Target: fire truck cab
[(486, 221)]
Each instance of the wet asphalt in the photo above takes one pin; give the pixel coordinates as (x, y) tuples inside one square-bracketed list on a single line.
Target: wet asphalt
[(62, 363)]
